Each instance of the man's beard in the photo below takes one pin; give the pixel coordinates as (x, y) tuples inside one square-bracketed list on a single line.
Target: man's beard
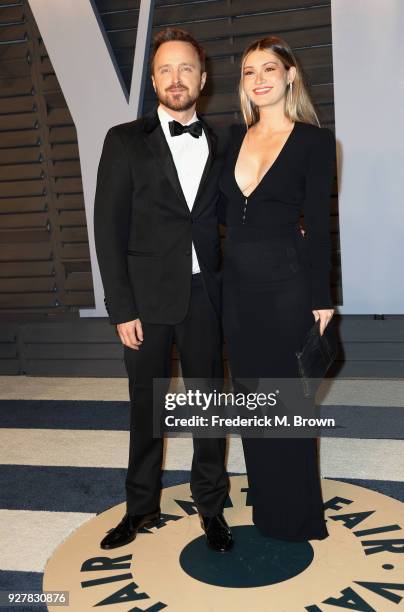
[(175, 103)]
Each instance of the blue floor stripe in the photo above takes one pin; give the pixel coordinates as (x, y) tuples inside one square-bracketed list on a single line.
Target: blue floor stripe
[(68, 489), (373, 422), (72, 489), (57, 414), (22, 581)]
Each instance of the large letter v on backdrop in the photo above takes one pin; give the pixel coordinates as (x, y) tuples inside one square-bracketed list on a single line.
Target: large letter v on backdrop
[(93, 88)]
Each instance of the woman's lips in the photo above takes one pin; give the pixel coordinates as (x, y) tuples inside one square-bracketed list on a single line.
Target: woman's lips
[(259, 91)]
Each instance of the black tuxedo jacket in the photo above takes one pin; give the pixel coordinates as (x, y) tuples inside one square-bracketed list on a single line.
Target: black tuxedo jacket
[(144, 228)]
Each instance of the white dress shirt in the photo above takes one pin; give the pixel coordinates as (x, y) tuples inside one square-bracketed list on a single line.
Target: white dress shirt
[(190, 155)]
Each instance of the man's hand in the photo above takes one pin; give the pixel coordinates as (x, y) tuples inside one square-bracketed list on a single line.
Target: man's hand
[(325, 317), (131, 333)]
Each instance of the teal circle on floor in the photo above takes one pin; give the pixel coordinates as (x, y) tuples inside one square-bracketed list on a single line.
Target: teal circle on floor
[(254, 561)]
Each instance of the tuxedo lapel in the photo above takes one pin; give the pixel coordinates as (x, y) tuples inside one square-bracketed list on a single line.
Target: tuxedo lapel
[(157, 143), (212, 144)]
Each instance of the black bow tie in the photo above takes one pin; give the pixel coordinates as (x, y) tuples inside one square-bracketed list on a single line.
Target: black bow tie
[(176, 128)]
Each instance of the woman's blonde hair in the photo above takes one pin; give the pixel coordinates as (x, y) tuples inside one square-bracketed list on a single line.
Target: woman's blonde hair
[(298, 105)]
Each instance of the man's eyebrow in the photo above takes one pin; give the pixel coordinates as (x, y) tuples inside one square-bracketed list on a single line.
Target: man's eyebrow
[(264, 64), (182, 64)]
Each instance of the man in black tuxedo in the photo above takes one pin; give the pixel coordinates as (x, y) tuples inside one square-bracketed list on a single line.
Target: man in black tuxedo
[(157, 243)]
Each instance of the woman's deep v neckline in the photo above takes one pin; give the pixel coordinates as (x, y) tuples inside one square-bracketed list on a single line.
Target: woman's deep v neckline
[(266, 173)]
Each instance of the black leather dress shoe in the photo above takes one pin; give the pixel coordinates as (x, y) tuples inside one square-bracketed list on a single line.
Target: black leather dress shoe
[(218, 534), (127, 529)]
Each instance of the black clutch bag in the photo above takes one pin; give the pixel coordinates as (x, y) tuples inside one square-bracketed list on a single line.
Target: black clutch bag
[(316, 356)]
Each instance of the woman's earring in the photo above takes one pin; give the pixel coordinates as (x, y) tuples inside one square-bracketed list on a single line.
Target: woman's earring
[(290, 88)]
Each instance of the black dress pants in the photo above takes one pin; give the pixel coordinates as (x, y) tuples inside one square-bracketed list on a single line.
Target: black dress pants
[(199, 342)]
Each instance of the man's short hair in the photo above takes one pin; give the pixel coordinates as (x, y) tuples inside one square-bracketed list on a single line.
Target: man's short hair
[(170, 34)]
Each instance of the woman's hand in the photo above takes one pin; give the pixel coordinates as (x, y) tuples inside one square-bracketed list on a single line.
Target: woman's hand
[(325, 317)]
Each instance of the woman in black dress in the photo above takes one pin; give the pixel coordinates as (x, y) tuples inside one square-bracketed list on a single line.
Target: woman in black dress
[(279, 164)]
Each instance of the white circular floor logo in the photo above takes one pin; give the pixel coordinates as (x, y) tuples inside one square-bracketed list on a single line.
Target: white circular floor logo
[(360, 566)]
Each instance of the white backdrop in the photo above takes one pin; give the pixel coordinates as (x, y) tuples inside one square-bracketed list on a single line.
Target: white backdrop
[(368, 54)]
